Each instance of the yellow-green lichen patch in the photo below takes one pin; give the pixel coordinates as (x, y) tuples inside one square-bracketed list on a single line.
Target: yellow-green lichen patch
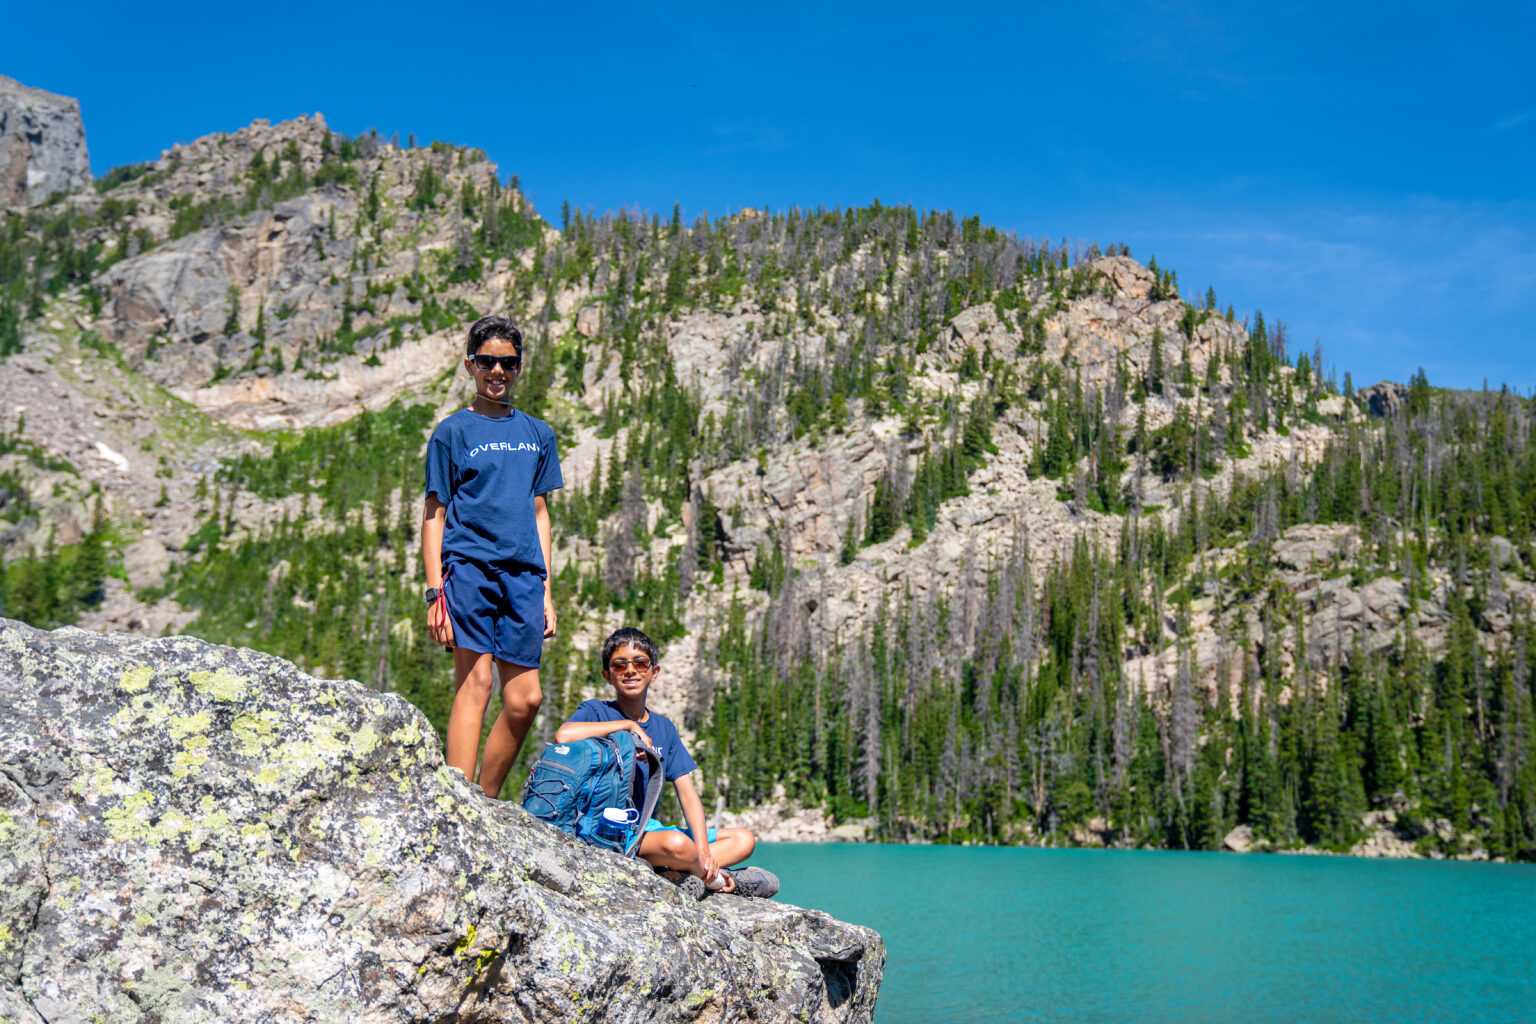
[(411, 742), (171, 825), (328, 741), (372, 831), (185, 725), (145, 705), (136, 680), (222, 685), (126, 820), (465, 941), (209, 824), (190, 729), (186, 762), (255, 731), (99, 778), (483, 959), (365, 741)]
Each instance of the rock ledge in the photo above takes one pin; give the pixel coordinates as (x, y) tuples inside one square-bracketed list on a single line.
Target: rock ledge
[(198, 833)]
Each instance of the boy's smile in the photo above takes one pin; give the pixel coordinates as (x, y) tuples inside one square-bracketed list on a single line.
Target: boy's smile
[(495, 382)]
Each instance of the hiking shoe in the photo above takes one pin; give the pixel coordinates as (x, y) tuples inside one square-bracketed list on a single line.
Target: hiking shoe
[(754, 882), (692, 885)]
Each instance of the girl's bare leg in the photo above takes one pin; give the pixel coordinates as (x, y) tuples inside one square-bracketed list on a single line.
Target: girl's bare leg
[(520, 700), (472, 671)]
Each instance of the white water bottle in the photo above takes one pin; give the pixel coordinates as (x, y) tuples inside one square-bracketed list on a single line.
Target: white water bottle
[(616, 823)]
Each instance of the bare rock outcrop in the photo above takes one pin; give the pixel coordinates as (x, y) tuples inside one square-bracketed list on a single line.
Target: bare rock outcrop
[(178, 295), (42, 145), (1384, 399), (196, 832)]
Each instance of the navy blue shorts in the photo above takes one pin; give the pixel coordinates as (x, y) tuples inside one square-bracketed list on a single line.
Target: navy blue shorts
[(497, 612)]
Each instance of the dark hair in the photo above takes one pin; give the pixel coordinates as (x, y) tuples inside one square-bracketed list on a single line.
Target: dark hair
[(631, 637), (488, 328)]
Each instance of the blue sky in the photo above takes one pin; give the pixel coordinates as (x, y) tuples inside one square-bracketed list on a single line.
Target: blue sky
[(1364, 172)]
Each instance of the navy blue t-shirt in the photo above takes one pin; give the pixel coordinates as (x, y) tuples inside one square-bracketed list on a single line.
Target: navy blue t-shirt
[(675, 759), (487, 470)]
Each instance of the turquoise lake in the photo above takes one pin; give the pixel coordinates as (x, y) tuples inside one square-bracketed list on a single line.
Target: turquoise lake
[(1004, 934)]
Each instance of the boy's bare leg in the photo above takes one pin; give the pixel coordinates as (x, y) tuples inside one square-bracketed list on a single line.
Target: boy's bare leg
[(671, 848), (732, 846), (520, 700), (472, 670)]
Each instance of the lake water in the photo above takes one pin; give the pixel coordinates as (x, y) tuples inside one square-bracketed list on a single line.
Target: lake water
[(1005, 934)]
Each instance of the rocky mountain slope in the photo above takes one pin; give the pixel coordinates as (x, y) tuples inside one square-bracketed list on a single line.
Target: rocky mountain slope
[(875, 477)]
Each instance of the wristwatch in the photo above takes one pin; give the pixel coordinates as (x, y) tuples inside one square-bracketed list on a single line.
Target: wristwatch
[(431, 595)]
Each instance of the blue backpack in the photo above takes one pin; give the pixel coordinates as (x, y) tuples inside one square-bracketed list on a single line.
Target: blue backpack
[(571, 784)]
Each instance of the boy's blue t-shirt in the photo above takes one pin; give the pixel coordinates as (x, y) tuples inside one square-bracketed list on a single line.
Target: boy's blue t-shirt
[(675, 759), (487, 470)]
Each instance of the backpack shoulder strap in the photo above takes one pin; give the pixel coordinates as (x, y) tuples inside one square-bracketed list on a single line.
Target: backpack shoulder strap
[(653, 783)]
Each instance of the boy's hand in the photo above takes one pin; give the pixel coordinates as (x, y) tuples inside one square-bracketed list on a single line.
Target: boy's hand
[(549, 615), (708, 869), (640, 733), (441, 632)]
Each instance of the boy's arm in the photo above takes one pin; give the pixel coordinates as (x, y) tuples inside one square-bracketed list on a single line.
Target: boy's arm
[(570, 732), (693, 814), (546, 544), (433, 518)]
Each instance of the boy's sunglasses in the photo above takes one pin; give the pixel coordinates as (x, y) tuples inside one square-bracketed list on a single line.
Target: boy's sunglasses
[(486, 363), (620, 664)]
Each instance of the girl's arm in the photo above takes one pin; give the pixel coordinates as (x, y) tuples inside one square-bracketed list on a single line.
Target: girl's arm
[(433, 518), (693, 813), (546, 544)]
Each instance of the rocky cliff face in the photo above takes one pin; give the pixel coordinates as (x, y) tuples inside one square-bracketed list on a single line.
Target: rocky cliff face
[(42, 145), (202, 833), (276, 246)]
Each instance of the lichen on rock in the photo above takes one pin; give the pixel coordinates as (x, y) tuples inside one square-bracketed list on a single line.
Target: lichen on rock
[(191, 832)]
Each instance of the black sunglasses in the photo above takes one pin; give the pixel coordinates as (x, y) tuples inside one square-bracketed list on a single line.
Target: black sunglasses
[(507, 363)]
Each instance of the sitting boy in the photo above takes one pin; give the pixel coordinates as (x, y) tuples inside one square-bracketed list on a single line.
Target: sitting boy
[(630, 665)]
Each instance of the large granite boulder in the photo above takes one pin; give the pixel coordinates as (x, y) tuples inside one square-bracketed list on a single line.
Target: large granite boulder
[(199, 833), (42, 145)]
